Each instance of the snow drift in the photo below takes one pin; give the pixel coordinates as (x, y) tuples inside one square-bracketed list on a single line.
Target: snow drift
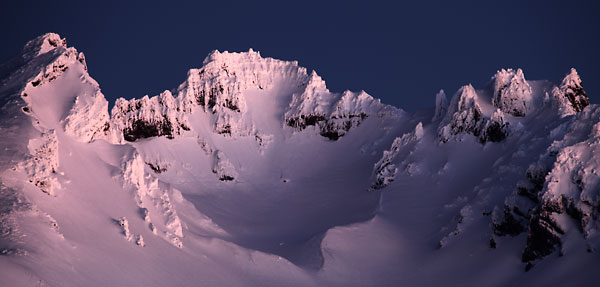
[(252, 172)]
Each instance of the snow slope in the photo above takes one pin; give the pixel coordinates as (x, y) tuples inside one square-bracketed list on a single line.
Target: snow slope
[(253, 173)]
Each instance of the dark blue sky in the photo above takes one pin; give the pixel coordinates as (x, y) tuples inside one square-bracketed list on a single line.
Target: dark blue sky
[(402, 53)]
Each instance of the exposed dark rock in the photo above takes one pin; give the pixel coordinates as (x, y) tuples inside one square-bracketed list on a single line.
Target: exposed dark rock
[(577, 97), (301, 122), (184, 127), (509, 225), (208, 98), (230, 105), (526, 189), (469, 124), (52, 43), (332, 128), (226, 178), (156, 168), (200, 96), (543, 238), (536, 174), (494, 132), (468, 120), (226, 129), (379, 183), (511, 92), (492, 243), (332, 135), (143, 129), (570, 94)]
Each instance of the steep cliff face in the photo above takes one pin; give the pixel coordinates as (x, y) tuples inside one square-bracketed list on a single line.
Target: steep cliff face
[(252, 166), (219, 87), (333, 114), (148, 117)]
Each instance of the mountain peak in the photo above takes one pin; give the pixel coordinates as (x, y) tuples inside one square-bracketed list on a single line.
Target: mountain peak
[(43, 44), (512, 93), (572, 79), (232, 57), (256, 161), (467, 97), (570, 98)]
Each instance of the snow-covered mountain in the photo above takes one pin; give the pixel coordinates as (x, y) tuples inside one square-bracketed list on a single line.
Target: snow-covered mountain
[(251, 172)]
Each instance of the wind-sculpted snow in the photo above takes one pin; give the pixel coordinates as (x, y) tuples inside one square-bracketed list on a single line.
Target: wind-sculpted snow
[(569, 98), (87, 115), (385, 169), (88, 119), (253, 173), (148, 117), (496, 128), (557, 189), (333, 115), (218, 87), (563, 185), (154, 201), (110, 184), (464, 115), (512, 93), (42, 163), (222, 167)]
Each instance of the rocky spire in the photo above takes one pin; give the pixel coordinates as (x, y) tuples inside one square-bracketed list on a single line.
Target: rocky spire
[(464, 115), (512, 93), (570, 98)]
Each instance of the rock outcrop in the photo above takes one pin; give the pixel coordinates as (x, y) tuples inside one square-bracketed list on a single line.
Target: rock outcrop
[(333, 115), (222, 167), (148, 117), (42, 164), (219, 87), (496, 129), (464, 115), (569, 98), (387, 167), (512, 93), (563, 184), (87, 118)]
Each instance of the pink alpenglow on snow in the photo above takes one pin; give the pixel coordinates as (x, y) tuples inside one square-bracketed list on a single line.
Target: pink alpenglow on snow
[(252, 172)]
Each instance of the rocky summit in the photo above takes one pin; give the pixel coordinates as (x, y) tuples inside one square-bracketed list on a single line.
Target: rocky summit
[(252, 172)]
